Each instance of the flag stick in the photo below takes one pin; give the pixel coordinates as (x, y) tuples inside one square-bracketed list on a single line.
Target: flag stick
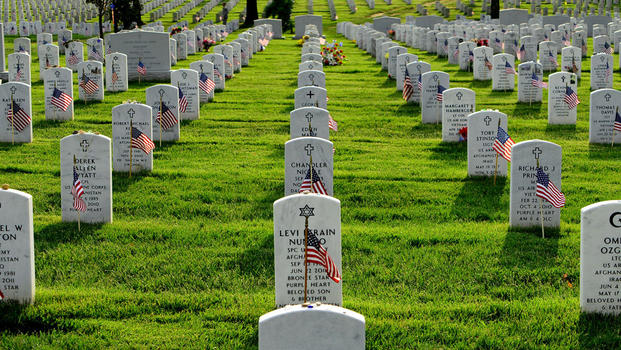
[(54, 106), (311, 174), (543, 234), (83, 88), (160, 122), (612, 144), (131, 127), (12, 122), (496, 167), (306, 254), (74, 198), (139, 76)]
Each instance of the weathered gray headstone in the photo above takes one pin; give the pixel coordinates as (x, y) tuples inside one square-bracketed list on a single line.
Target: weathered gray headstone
[(151, 48)]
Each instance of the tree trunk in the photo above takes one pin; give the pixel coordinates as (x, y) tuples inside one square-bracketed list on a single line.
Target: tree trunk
[(251, 13), (101, 14)]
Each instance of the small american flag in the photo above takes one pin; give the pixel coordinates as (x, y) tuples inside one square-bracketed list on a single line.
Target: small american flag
[(503, 143), (608, 70), (456, 54), (217, 73), (607, 48), (552, 59), (445, 45), (89, 86), (183, 102), (61, 99), (521, 53), (547, 190), (332, 124), (488, 64), (571, 98), (141, 69), (141, 141), (115, 77), (470, 56), (315, 185), (509, 69), (168, 120), (408, 88), (617, 124), (72, 59), (21, 49), (1, 296), (565, 41), (440, 91), (420, 82), (18, 117), (77, 191), (534, 80), (206, 84), (317, 254), (515, 46), (95, 54), (18, 74), (499, 43)]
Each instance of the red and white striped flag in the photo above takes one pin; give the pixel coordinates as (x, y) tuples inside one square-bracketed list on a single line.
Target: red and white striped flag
[(503, 143), (165, 117), (183, 102), (206, 84), (141, 141), (317, 254), (77, 191), (332, 124), (548, 191), (313, 184), (571, 98), (89, 86), (18, 117), (408, 88)]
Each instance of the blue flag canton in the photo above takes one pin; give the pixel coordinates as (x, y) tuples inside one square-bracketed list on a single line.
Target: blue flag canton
[(542, 177), (502, 135)]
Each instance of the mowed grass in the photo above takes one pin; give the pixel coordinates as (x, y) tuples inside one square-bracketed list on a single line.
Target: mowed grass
[(428, 256)]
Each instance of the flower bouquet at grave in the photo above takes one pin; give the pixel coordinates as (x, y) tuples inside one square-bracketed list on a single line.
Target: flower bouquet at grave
[(303, 40), (391, 33), (332, 54), (175, 30), (207, 43)]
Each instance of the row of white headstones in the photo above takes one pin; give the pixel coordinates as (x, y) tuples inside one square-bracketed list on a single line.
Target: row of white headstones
[(601, 222), (89, 156), (309, 303)]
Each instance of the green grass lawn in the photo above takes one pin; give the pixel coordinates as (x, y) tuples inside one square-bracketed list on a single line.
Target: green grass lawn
[(428, 257)]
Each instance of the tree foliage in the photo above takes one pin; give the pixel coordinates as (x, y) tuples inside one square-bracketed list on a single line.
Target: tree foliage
[(280, 9)]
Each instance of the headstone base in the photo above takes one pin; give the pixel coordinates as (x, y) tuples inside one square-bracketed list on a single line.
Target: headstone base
[(163, 76), (314, 326)]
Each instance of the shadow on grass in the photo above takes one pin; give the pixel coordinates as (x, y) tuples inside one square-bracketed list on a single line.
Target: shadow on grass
[(604, 152), (121, 181), (560, 130), (525, 249), (15, 320), (49, 236), (477, 199), (599, 331), (257, 260), (449, 151), (532, 110), (408, 110)]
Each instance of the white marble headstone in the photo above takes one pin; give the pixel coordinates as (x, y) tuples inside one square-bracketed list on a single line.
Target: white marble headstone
[(19, 67), (501, 80), (298, 152), (95, 49), (309, 121), (310, 65), (20, 129), (571, 60), (91, 156), (482, 66), (74, 55), (528, 93), (116, 72), (161, 97), (90, 73), (415, 71), (604, 105), (311, 96), (602, 71), (62, 79), (187, 81), (49, 60), (218, 69), (204, 68), (434, 83), (141, 119), (324, 221), (558, 110), (17, 247), (482, 131), (600, 237), (21, 45), (402, 61), (457, 104), (312, 78), (525, 205)]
